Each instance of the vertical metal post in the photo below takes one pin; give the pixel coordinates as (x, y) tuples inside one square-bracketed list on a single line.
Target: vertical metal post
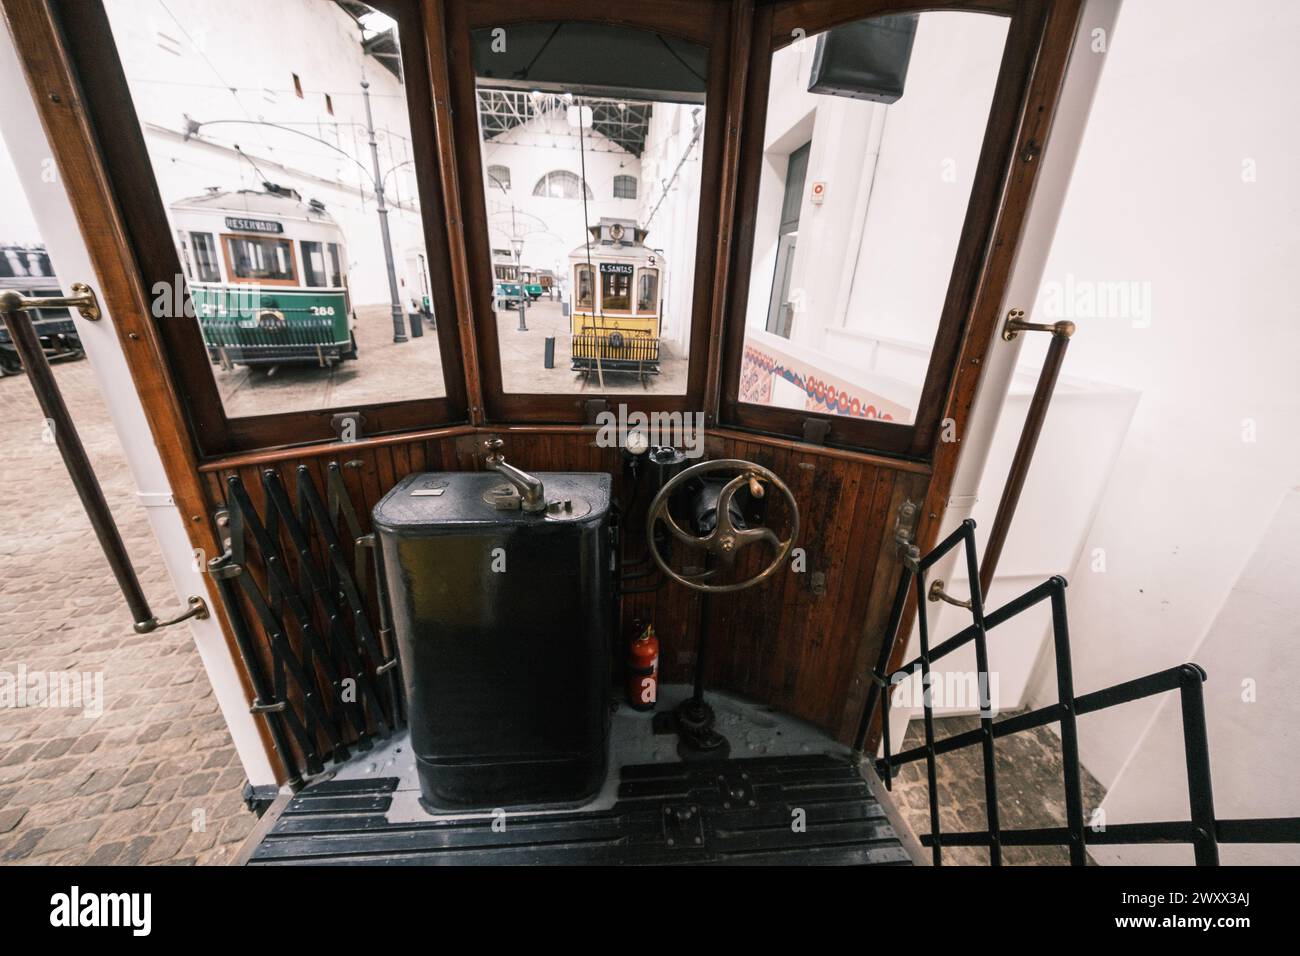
[(986, 696), (1196, 743), (1069, 727), (882, 662), (28, 346), (399, 320), (223, 570), (931, 772)]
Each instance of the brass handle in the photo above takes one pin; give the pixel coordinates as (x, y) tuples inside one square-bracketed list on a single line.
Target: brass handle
[(1015, 324), (937, 593), (82, 299), (197, 609)]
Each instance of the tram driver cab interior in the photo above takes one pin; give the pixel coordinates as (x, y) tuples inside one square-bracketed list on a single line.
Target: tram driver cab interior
[(575, 406), (503, 591)]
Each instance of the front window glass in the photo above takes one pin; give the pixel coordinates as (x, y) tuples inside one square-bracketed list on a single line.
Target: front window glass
[(615, 286), (647, 291), (256, 258), (307, 296), (872, 138), (583, 113)]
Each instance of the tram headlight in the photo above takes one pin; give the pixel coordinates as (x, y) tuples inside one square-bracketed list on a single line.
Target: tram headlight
[(270, 319), (616, 340)]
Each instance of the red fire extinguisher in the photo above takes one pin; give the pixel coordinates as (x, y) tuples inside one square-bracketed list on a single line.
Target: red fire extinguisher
[(643, 670)]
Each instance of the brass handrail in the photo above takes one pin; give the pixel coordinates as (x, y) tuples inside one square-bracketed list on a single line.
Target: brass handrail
[(1061, 332), (13, 309)]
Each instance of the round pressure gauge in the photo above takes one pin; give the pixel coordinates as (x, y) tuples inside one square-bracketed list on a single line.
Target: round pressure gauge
[(637, 443)]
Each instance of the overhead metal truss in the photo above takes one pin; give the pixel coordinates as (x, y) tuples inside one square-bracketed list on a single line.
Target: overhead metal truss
[(622, 122)]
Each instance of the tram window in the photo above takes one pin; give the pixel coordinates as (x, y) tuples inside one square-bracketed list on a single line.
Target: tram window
[(260, 260), (584, 287), (291, 260), (615, 287), (873, 134), (336, 272), (313, 264), (647, 290), (591, 129), (205, 257)]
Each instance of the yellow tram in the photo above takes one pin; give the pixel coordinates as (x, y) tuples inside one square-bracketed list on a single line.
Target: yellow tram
[(616, 304)]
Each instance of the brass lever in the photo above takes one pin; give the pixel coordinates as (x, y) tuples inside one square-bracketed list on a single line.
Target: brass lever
[(937, 593), (82, 299)]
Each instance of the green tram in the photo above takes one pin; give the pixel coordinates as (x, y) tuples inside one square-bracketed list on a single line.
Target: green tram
[(267, 276)]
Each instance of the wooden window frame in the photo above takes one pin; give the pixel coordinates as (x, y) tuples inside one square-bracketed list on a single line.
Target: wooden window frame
[(111, 116), (707, 22), (774, 28)]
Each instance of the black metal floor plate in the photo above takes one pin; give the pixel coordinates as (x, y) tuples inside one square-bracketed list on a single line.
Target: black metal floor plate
[(796, 810)]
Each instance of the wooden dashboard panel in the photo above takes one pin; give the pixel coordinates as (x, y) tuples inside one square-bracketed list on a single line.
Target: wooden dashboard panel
[(801, 642)]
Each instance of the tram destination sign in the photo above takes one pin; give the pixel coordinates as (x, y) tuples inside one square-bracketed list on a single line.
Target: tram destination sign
[(618, 268), (253, 225)]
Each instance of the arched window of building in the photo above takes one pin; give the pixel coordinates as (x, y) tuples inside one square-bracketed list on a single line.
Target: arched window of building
[(499, 176), (560, 184)]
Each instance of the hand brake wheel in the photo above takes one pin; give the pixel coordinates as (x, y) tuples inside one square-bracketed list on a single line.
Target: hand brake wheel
[(725, 540), (693, 717)]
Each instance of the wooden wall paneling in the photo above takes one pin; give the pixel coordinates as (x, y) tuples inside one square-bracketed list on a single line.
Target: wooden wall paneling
[(779, 643)]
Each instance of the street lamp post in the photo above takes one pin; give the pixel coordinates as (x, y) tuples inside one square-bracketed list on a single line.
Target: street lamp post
[(399, 319), (517, 243)]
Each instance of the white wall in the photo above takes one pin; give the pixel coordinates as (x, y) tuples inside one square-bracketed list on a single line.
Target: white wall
[(257, 47), (553, 227), (1186, 186), (1252, 655), (873, 258)]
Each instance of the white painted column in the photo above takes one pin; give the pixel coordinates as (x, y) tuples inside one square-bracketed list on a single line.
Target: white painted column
[(21, 127), (1077, 94)]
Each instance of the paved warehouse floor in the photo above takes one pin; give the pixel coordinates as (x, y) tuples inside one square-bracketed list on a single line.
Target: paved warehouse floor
[(154, 778), (1031, 791)]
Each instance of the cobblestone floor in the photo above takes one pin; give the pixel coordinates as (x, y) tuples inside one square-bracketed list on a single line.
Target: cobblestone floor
[(154, 777), (1030, 791)]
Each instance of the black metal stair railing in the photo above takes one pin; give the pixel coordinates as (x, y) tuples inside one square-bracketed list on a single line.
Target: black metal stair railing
[(1203, 830), (294, 602)]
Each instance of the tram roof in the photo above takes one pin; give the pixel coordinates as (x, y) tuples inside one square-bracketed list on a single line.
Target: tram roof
[(285, 205)]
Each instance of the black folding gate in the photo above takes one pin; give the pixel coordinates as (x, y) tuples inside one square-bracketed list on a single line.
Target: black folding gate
[(301, 605)]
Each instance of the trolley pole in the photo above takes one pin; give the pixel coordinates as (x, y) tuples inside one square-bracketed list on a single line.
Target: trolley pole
[(399, 319)]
